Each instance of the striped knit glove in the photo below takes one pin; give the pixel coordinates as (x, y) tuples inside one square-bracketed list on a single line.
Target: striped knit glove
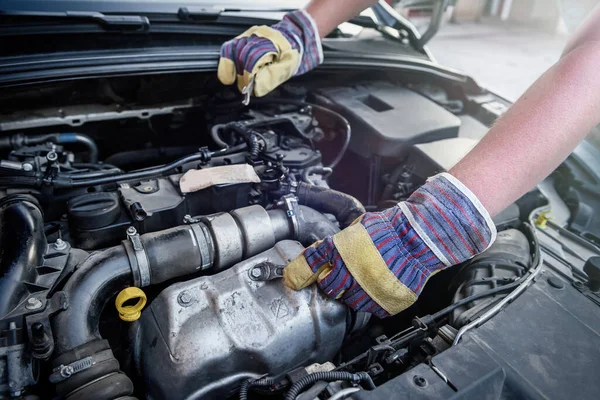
[(271, 55), (381, 262)]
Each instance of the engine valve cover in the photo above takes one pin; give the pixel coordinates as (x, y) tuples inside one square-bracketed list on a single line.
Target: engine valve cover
[(203, 337)]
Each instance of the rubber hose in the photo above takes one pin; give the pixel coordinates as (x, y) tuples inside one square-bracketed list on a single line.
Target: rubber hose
[(101, 381), (330, 376), (344, 207), (90, 289), (20, 140), (81, 139), (216, 137), (325, 171), (22, 244), (248, 384)]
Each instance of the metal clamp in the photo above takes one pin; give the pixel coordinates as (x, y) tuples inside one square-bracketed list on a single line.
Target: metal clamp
[(203, 239), (64, 372), (143, 265), (291, 206)]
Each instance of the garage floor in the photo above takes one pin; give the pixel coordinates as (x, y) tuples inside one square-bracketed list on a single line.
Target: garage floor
[(503, 58)]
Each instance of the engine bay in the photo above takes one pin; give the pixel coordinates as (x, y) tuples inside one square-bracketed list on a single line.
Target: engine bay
[(143, 244)]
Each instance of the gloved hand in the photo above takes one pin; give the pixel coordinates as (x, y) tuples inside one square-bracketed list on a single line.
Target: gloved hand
[(381, 262), (271, 55)]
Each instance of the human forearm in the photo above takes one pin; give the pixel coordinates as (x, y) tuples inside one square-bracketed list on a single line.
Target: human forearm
[(588, 31), (537, 133), (328, 14)]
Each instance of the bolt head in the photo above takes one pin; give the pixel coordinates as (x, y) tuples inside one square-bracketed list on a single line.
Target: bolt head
[(52, 156), (256, 272), (184, 298), (27, 167), (33, 303), (60, 244), (131, 230)]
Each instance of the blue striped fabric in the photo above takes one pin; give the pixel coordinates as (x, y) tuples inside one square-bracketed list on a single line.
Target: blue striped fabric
[(440, 225), (299, 30)]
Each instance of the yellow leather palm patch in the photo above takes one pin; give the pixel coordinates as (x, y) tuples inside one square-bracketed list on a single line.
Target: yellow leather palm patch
[(368, 268)]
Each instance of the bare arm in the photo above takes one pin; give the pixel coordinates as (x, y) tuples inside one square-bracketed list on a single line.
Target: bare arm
[(540, 130), (588, 31), (328, 14)]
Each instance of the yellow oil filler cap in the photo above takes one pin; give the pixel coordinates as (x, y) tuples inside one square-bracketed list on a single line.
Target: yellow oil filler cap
[(126, 312), (542, 220)]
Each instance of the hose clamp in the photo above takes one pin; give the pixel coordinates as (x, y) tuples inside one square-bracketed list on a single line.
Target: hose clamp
[(290, 202), (143, 265), (203, 239), (64, 372)]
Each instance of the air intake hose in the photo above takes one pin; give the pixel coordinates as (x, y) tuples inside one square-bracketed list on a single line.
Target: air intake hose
[(214, 243), (22, 247), (344, 207)]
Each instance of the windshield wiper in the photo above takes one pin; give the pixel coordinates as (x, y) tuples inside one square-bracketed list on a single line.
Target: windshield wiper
[(108, 22), (212, 14)]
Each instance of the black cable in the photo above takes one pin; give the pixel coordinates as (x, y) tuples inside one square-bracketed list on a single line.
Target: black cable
[(250, 383), (90, 174), (445, 311), (474, 297), (245, 131), (72, 182), (100, 167), (329, 376)]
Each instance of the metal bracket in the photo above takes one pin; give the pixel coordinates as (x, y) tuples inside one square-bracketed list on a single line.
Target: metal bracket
[(58, 302), (143, 265), (188, 219)]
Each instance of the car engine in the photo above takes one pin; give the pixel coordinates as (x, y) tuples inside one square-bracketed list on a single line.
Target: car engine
[(143, 245)]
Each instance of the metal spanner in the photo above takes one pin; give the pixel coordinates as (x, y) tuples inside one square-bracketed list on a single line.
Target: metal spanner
[(247, 91), (266, 271)]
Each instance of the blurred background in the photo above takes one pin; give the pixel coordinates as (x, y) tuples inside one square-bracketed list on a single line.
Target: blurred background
[(504, 44)]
